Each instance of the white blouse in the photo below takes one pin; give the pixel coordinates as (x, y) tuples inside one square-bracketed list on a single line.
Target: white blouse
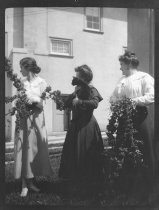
[(138, 86), (35, 88)]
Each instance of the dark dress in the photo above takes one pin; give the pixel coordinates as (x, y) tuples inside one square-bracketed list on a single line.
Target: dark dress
[(83, 144)]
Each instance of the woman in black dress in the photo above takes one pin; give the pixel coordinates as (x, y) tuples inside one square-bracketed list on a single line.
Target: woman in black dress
[(83, 144)]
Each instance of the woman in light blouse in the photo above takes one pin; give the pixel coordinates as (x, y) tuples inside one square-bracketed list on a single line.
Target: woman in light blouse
[(31, 144), (139, 86)]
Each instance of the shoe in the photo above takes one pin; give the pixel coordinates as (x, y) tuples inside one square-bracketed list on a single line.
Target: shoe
[(34, 188), (24, 192)]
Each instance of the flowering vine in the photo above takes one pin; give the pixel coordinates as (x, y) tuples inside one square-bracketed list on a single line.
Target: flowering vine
[(125, 154), (22, 108)]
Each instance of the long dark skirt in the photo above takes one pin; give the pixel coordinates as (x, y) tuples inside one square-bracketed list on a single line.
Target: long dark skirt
[(81, 152), (146, 130)]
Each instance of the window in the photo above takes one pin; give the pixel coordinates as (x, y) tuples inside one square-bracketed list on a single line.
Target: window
[(93, 19), (61, 47)]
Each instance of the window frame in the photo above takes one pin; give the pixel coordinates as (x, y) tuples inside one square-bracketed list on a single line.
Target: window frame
[(100, 30), (70, 41)]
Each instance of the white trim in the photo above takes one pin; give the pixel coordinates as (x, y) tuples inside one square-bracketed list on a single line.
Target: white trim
[(19, 50)]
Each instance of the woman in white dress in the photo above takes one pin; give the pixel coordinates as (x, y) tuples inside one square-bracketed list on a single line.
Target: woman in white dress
[(139, 86), (31, 144)]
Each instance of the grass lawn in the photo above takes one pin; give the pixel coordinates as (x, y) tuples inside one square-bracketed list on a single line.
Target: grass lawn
[(55, 192)]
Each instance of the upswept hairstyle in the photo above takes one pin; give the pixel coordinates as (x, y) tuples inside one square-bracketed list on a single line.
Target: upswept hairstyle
[(129, 58), (30, 65), (85, 72)]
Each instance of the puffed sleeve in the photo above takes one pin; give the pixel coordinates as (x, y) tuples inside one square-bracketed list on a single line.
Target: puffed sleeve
[(43, 86), (91, 103), (35, 97), (115, 96), (147, 90)]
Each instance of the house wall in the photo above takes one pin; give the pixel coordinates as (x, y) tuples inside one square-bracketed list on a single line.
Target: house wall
[(99, 51), (9, 29)]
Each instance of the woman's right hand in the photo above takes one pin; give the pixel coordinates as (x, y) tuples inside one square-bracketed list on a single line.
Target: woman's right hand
[(39, 105)]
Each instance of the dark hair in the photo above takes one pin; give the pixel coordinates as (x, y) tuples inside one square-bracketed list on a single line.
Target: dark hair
[(85, 72), (129, 58), (30, 65)]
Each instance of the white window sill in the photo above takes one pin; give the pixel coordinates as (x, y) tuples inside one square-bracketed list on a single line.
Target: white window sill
[(61, 55), (93, 31), (19, 50)]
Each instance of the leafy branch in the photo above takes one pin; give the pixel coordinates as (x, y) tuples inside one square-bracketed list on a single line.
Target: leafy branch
[(22, 109), (124, 139)]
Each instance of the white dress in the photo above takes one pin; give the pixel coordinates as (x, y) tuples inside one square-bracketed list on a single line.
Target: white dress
[(31, 144), (140, 88)]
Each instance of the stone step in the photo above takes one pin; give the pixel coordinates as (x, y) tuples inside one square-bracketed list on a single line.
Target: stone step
[(52, 140), (51, 143), (55, 144), (9, 156)]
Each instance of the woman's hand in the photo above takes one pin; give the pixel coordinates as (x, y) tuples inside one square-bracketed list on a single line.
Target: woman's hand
[(39, 105), (75, 101)]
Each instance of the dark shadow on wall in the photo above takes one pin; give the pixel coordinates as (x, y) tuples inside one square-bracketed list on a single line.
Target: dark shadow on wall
[(110, 13)]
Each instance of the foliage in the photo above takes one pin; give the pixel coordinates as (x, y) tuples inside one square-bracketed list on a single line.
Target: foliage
[(126, 145), (22, 108), (54, 95)]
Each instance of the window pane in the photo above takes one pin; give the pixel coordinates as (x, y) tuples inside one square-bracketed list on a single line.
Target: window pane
[(96, 26), (89, 18), (61, 47), (66, 47), (66, 50), (92, 11), (89, 25), (54, 49), (95, 19)]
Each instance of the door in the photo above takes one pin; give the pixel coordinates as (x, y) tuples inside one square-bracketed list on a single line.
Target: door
[(58, 119), (61, 119)]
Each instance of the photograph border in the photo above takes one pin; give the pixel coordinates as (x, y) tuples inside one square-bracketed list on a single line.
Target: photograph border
[(66, 3)]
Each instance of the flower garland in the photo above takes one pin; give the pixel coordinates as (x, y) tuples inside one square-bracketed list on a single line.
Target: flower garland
[(22, 109), (54, 95), (125, 153)]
